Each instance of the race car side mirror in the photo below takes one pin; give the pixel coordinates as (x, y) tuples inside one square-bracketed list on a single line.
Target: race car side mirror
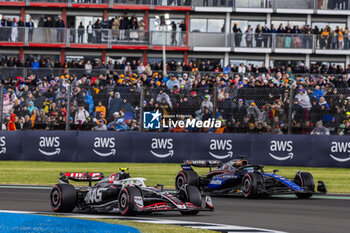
[(275, 171)]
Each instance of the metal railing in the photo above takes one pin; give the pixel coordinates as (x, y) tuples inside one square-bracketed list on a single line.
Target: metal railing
[(111, 37), (275, 4), (171, 38)]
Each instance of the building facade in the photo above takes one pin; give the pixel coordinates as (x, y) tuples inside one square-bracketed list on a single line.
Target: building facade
[(208, 33)]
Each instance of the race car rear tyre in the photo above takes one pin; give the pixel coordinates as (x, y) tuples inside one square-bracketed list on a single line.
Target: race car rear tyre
[(126, 200), (251, 185), (305, 180), (63, 198), (186, 177), (193, 195)]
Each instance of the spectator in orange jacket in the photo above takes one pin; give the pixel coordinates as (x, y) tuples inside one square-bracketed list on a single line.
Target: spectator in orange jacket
[(100, 108)]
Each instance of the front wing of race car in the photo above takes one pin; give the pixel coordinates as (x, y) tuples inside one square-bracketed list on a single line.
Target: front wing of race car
[(163, 204), (279, 185)]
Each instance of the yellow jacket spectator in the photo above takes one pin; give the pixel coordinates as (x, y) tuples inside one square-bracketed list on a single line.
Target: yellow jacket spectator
[(100, 108)]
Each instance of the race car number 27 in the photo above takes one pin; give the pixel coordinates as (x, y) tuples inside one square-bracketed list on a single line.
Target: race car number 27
[(94, 196)]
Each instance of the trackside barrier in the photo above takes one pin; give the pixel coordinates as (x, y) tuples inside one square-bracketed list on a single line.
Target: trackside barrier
[(80, 146)]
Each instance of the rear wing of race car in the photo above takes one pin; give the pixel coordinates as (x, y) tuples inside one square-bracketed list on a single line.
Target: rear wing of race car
[(200, 163), (80, 177)]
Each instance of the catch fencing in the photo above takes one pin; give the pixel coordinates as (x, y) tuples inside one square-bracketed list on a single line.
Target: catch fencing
[(241, 110)]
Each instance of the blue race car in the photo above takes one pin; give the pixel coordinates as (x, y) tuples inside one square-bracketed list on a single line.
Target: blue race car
[(238, 177)]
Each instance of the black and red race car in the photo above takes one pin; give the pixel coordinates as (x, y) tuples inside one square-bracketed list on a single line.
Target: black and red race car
[(118, 193), (238, 177)]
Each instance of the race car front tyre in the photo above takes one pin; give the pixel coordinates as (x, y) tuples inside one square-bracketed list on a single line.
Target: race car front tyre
[(306, 181), (126, 200), (186, 177), (63, 198), (251, 184), (193, 196)]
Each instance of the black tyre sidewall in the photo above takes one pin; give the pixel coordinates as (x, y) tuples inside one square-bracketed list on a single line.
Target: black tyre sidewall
[(186, 177), (67, 198), (252, 179), (193, 195), (129, 194), (305, 180)]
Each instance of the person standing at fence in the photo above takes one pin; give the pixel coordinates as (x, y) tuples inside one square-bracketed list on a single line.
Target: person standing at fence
[(266, 36), (14, 30), (81, 33), (258, 36), (334, 38), (123, 26), (249, 35), (30, 25), (324, 38), (21, 25), (307, 40), (280, 36), (173, 33), (183, 32), (90, 31), (98, 31), (340, 37), (133, 26), (2, 28), (48, 25), (346, 38), (115, 27), (235, 31), (142, 26), (105, 26), (60, 29)]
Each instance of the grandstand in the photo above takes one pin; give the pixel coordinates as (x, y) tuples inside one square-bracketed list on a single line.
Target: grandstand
[(260, 66)]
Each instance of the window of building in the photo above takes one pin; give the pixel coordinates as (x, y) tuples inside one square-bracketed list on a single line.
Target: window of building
[(250, 3), (243, 24), (286, 63), (322, 25), (206, 25), (247, 62), (292, 23), (170, 39)]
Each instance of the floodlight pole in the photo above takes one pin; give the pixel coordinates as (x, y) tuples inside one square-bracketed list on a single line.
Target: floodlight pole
[(164, 53)]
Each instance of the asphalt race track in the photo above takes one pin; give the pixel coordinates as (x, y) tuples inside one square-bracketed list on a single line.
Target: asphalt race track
[(329, 213)]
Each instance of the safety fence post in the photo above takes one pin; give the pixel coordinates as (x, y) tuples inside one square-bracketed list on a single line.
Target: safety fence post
[(142, 98), (1, 105), (290, 109), (69, 91), (215, 97)]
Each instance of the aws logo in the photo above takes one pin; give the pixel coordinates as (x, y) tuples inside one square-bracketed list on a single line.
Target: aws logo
[(162, 144), (104, 143), (340, 147), (49, 146), (281, 146), (2, 145), (221, 145)]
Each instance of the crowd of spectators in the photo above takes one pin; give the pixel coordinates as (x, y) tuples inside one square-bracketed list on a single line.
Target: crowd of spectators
[(193, 66), (265, 102), (292, 37)]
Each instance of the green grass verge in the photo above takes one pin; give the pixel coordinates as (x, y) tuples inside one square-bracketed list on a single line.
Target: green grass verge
[(46, 173), (151, 228)]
